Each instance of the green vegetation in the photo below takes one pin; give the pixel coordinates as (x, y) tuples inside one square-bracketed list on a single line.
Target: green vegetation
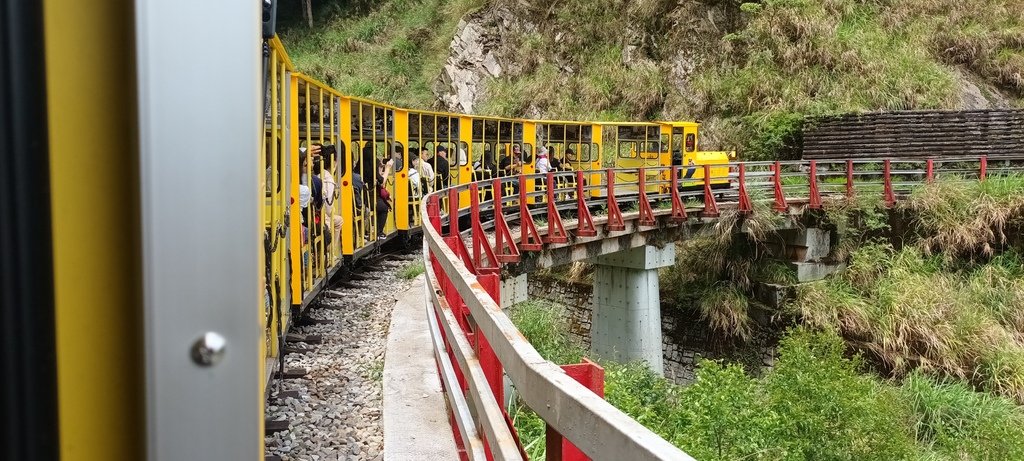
[(815, 404), (391, 51), (966, 218), (911, 311), (751, 70), (412, 271), (716, 268), (949, 301)]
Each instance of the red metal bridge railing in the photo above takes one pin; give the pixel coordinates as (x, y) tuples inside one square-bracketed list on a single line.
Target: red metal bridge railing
[(477, 346)]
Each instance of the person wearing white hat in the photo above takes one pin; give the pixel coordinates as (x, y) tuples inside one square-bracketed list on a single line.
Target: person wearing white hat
[(543, 164)]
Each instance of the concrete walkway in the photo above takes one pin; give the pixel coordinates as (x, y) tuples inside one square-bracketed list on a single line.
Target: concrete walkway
[(415, 412)]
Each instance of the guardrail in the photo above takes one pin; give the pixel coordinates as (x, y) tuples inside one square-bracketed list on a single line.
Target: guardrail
[(475, 343)]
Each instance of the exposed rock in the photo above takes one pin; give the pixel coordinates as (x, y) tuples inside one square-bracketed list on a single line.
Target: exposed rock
[(976, 94), (476, 55)]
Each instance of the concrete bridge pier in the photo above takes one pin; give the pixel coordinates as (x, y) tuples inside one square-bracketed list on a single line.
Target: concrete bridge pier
[(626, 323)]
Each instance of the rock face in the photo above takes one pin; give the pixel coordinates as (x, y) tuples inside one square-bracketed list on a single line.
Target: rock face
[(476, 55), (976, 94)]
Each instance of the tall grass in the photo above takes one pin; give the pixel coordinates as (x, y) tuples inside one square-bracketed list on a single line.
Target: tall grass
[(816, 403), (963, 218), (912, 311), (716, 268)]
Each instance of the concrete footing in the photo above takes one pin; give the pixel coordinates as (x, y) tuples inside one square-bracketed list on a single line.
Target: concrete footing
[(626, 324)]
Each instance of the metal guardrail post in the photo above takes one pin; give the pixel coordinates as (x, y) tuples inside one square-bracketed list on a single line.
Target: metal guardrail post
[(615, 222), (502, 235), (744, 206), (890, 197), (483, 255), (529, 237), (585, 222), (780, 196), (929, 171), (814, 202), (556, 231), (710, 207), (591, 376), (983, 168), (643, 204), (678, 208)]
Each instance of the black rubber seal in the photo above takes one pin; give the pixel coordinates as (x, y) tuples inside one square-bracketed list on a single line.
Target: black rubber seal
[(27, 326)]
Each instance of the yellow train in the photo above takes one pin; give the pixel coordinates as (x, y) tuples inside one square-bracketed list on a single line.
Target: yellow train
[(153, 287)]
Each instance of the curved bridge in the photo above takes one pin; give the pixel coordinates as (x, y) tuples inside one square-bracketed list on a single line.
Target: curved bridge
[(477, 346)]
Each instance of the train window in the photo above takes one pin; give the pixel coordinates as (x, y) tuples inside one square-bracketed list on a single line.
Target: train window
[(652, 149), (490, 130), (478, 129), (414, 125), (527, 153), (595, 152), (579, 153), (342, 158), (691, 142), (399, 156), (627, 149), (463, 153), (414, 148)]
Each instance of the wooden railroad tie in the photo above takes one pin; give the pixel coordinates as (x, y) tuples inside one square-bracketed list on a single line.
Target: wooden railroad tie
[(272, 427), (291, 373), (309, 321), (308, 339)]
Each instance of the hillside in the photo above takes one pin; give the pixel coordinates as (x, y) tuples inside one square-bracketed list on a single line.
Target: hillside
[(750, 71)]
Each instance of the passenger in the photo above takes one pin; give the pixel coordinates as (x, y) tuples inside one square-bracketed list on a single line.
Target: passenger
[(543, 165), (425, 170), (441, 168), (487, 166), (383, 199), (305, 197), (414, 175), (330, 186), (505, 165), (358, 189), (691, 169), (368, 162), (567, 158), (514, 170), (556, 163)]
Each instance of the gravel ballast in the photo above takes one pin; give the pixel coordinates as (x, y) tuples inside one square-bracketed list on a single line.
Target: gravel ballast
[(337, 415)]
